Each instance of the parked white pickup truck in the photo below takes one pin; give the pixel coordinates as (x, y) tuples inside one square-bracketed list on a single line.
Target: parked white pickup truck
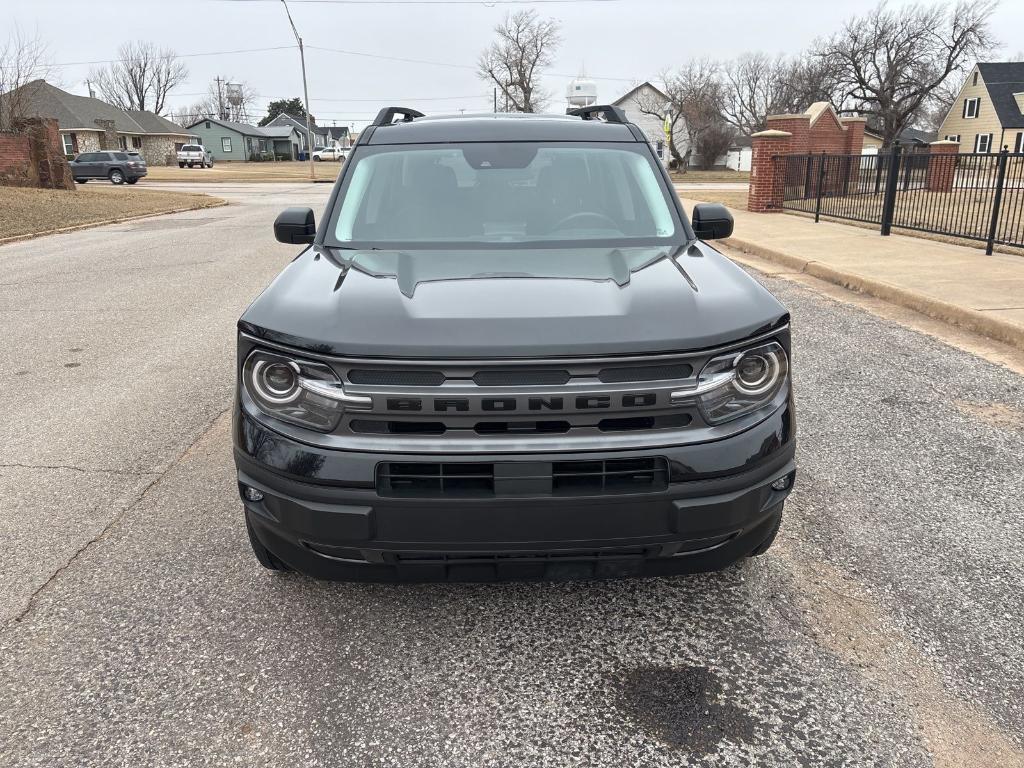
[(195, 154)]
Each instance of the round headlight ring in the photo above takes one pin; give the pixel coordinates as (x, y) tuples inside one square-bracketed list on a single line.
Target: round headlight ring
[(765, 373), (276, 381)]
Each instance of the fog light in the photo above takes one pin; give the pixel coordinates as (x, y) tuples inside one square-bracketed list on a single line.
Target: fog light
[(251, 494), (777, 485)]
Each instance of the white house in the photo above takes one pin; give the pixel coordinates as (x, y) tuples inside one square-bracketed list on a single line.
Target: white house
[(638, 103), (739, 155)]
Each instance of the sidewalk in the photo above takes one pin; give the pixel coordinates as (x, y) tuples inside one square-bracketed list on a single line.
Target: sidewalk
[(953, 283)]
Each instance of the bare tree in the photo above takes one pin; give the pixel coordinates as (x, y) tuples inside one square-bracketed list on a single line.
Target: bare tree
[(23, 58), (216, 104), (516, 60), (141, 78), (890, 62), (759, 85), (697, 93), (649, 102)]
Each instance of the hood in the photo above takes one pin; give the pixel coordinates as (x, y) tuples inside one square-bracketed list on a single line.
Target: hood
[(502, 303)]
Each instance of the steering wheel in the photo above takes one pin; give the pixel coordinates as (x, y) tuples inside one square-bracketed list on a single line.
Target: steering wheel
[(581, 219)]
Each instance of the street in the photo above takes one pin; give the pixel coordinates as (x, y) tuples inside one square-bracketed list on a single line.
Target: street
[(137, 629)]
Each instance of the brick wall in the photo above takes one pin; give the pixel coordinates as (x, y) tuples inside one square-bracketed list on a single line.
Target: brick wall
[(33, 156), (817, 131), (942, 165)]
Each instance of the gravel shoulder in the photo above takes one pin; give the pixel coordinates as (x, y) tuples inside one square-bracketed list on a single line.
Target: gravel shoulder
[(34, 212)]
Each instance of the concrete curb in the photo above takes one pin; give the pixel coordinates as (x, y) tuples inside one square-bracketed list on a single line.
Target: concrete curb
[(968, 319), (103, 223)]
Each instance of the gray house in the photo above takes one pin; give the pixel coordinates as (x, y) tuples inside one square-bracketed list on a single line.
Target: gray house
[(299, 124), (89, 125), (243, 143)]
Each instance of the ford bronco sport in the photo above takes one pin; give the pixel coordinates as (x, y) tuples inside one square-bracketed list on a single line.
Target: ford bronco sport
[(506, 353)]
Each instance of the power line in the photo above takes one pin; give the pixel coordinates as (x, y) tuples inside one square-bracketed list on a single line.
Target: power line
[(486, 3), (180, 55)]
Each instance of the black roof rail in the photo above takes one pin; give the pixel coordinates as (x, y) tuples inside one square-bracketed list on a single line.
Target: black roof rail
[(387, 115), (610, 113)]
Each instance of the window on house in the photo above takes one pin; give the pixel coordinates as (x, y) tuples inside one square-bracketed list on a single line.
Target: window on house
[(69, 143), (207, 125), (971, 107), (1018, 145), (983, 143), (953, 137), (225, 144), (136, 142), (975, 80), (122, 142)]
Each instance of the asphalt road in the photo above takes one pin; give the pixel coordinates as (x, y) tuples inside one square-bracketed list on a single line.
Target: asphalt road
[(136, 629)]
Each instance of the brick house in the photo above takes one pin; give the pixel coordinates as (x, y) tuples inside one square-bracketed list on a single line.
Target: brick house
[(89, 125), (988, 112)]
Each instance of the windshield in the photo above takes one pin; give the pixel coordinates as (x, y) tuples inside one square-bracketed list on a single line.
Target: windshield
[(494, 193)]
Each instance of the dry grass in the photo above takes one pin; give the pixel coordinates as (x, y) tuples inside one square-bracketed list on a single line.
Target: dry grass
[(699, 177), (283, 171), (30, 212), (730, 198)]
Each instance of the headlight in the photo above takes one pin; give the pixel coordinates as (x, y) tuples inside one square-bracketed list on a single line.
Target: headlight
[(739, 383), (298, 391)]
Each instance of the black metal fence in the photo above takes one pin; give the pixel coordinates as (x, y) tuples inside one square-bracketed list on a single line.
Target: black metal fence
[(971, 196)]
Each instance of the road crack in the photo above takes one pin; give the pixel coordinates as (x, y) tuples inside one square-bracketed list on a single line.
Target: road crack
[(84, 470), (117, 517)]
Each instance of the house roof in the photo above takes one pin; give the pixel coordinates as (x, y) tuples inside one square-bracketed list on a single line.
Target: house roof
[(336, 131), (629, 94), (299, 123), (277, 131), (907, 136), (243, 128), (1004, 79), (82, 112)]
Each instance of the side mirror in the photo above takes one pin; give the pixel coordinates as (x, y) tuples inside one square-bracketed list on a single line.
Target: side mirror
[(295, 226), (711, 221)]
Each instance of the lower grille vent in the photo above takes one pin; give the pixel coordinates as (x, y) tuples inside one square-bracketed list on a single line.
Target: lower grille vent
[(486, 480)]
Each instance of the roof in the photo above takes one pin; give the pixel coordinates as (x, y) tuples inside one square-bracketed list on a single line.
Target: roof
[(82, 112), (907, 136), (277, 131), (336, 131), (299, 123), (497, 127), (243, 128), (629, 94), (1004, 79)]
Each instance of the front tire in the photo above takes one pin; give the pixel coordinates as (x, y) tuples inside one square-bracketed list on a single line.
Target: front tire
[(80, 181), (116, 176), (181, 165), (264, 555)]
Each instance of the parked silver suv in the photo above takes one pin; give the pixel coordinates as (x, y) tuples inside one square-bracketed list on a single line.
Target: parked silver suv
[(120, 167)]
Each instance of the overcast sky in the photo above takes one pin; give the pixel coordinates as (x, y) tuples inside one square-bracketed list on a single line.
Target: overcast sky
[(618, 43)]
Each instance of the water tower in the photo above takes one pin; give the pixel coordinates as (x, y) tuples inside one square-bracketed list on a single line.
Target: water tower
[(237, 101), (581, 92)]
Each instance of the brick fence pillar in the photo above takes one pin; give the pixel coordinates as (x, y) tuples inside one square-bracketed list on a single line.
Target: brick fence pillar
[(766, 177), (942, 165), (854, 127)]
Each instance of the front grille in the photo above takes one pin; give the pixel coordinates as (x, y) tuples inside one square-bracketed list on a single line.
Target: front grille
[(645, 373), (520, 378), (389, 378), (488, 480)]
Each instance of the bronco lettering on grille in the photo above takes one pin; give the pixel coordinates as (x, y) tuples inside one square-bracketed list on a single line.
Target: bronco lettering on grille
[(511, 404)]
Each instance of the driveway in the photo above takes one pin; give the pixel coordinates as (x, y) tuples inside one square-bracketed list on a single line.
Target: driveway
[(136, 628)]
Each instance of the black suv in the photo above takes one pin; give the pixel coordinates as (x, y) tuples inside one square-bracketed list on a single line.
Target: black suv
[(506, 353), (119, 167)]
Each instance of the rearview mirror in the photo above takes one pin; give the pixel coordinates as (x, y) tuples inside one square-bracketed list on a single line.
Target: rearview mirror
[(295, 226), (711, 221)]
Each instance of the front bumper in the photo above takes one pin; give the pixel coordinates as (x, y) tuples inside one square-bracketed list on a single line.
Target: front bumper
[(321, 513)]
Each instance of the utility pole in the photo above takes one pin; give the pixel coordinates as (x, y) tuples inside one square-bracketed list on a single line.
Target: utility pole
[(88, 84), (495, 99), (305, 93), (220, 99)]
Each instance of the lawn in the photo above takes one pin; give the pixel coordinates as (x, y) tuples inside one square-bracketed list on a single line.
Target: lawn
[(283, 171), (28, 212), (730, 198), (694, 176)]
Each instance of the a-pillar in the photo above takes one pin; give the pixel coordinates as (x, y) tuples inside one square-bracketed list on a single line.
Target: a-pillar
[(767, 175), (942, 165)]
